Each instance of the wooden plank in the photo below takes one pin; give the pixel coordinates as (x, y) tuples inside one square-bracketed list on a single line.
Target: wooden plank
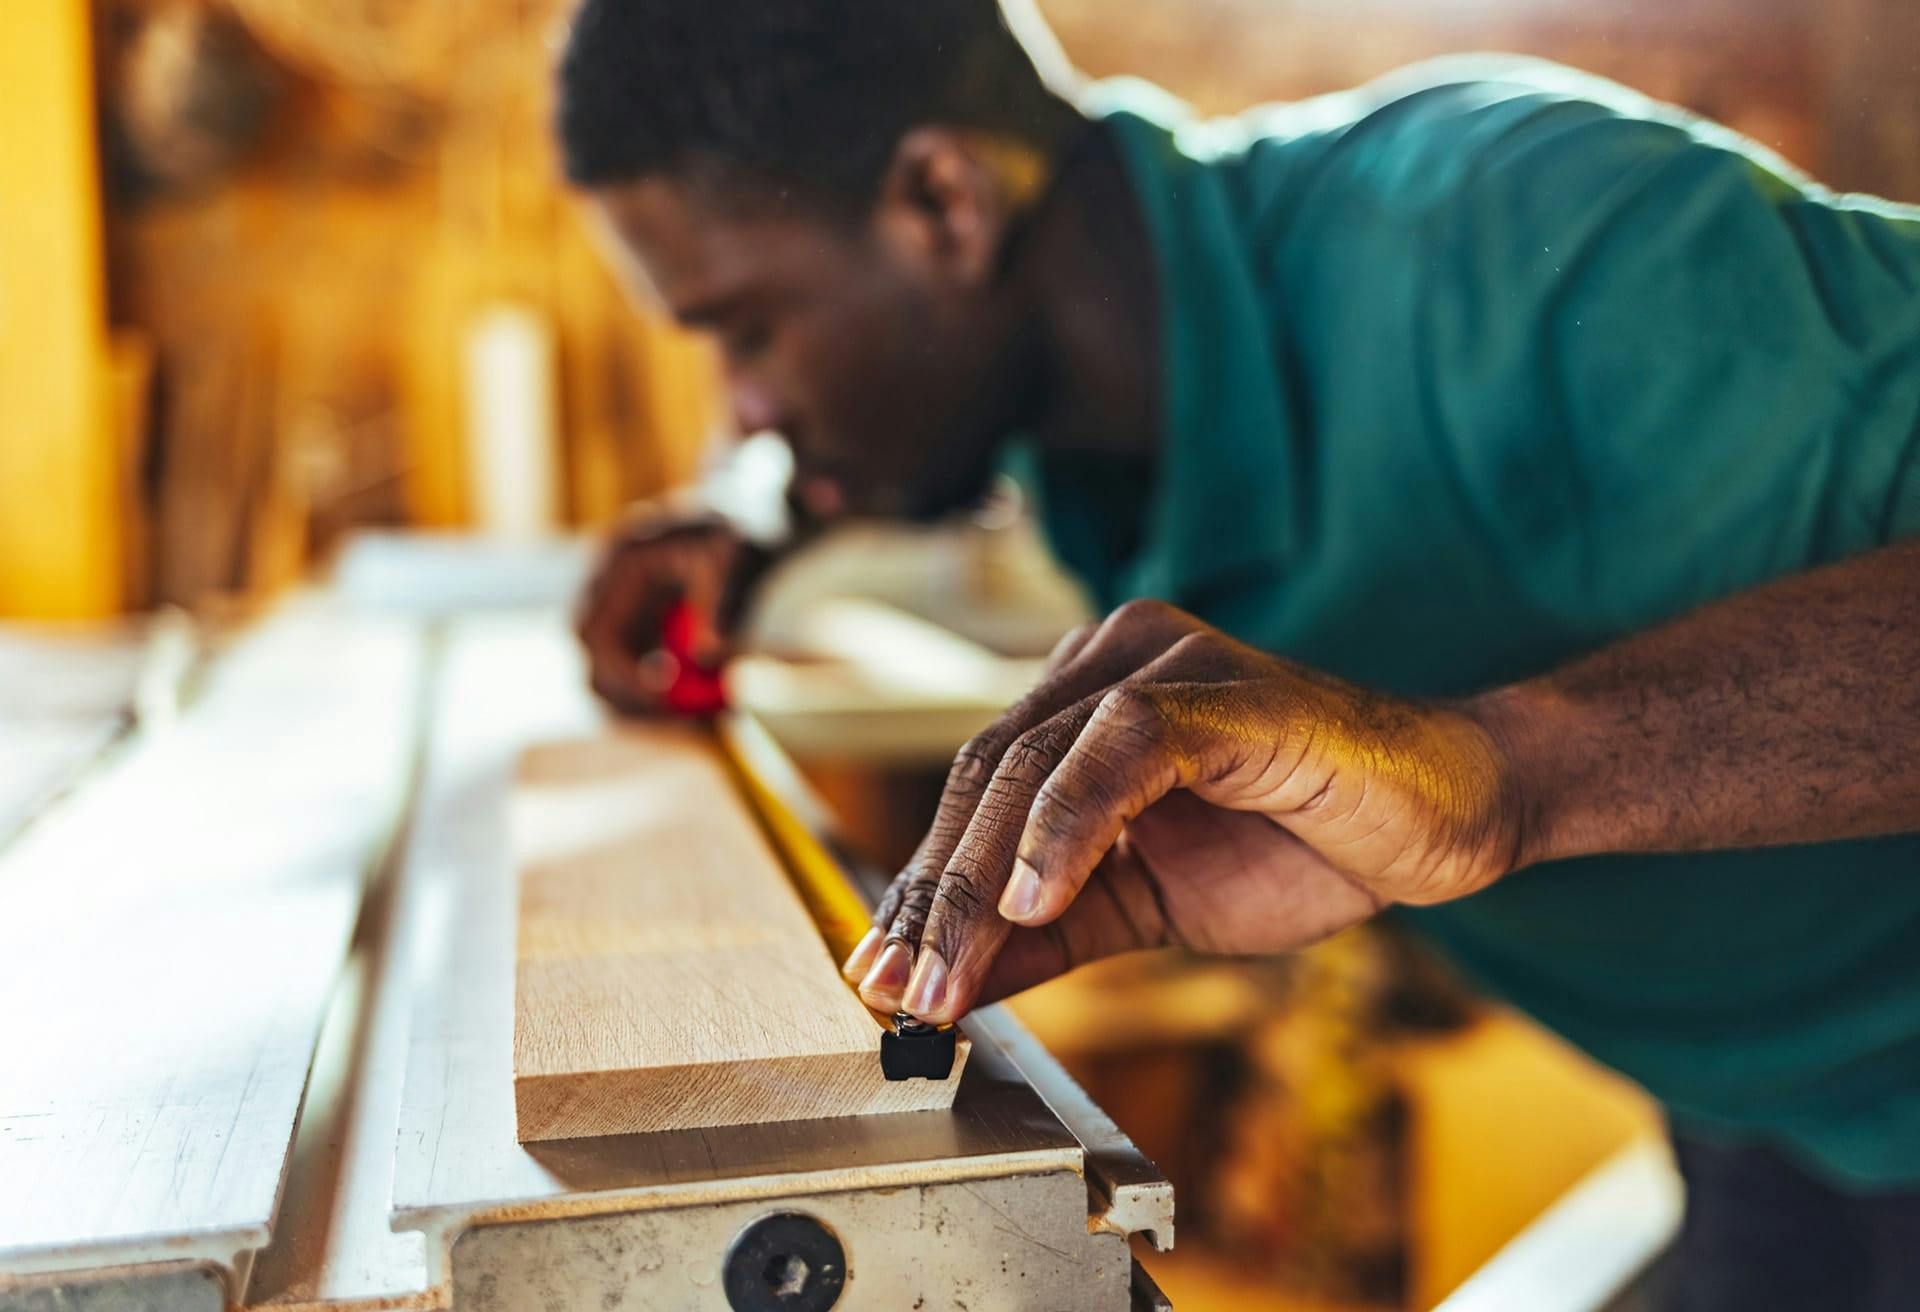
[(876, 682), (332, 1248), (507, 682), (669, 976), (171, 936), (418, 1001)]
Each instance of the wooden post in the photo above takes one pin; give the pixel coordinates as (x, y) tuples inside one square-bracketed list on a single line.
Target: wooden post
[(59, 529)]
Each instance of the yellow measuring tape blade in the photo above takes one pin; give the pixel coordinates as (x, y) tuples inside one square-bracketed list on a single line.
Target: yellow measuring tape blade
[(829, 896)]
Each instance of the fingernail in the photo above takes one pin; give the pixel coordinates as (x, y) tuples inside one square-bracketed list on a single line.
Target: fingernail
[(860, 960), (1020, 900), (889, 974), (928, 992)]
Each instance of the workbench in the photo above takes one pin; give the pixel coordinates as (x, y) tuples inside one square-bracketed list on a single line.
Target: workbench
[(256, 1008), (257, 991)]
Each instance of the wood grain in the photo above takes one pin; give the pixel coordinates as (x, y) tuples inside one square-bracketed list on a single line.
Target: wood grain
[(509, 681), (669, 976)]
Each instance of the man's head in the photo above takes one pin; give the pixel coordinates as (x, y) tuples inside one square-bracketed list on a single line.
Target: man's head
[(834, 189)]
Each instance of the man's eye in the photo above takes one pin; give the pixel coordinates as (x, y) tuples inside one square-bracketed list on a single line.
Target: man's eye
[(745, 343)]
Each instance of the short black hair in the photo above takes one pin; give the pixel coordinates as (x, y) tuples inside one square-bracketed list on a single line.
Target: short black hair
[(811, 95)]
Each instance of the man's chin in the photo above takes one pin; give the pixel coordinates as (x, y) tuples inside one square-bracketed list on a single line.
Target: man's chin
[(936, 500), (890, 510), (936, 505)]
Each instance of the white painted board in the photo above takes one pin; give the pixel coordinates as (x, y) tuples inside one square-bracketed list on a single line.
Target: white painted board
[(169, 940)]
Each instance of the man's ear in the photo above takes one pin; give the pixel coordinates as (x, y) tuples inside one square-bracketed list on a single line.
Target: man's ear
[(950, 199)]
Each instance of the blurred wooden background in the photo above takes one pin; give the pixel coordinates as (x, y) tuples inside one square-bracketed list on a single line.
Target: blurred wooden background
[(314, 206), (272, 248), (262, 329)]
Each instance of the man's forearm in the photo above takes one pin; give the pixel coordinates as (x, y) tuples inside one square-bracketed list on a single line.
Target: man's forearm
[(1787, 714)]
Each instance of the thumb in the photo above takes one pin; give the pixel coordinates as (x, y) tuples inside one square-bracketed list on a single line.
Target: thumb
[(1117, 912)]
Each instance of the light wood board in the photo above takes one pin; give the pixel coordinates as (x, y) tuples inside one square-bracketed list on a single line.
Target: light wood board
[(509, 681), (169, 939), (669, 976)]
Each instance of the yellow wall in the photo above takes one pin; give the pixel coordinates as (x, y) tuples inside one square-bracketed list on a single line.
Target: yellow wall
[(59, 552)]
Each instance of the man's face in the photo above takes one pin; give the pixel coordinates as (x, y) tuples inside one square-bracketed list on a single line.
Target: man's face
[(892, 376)]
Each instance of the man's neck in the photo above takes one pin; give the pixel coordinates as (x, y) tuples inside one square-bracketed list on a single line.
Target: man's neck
[(1097, 298)]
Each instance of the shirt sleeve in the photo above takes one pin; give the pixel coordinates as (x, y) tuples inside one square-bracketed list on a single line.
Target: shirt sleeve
[(1708, 368)]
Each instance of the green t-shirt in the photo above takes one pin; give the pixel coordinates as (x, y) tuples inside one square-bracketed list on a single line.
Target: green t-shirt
[(1470, 375)]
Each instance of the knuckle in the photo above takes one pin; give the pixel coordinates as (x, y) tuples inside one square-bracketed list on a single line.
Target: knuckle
[(965, 888), (889, 904), (923, 871), (625, 557), (1075, 639), (1202, 645), (1100, 781), (1140, 612), (1062, 808), (916, 901), (1132, 709), (997, 823), (1030, 759), (974, 763), (618, 695), (590, 608), (958, 897)]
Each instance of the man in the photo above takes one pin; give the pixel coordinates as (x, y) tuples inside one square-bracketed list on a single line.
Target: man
[(1548, 455)]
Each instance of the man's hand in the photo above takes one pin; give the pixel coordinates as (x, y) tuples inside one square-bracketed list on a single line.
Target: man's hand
[(1214, 795), (647, 567), (1188, 872)]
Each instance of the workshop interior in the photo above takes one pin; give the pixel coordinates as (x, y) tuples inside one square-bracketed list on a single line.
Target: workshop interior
[(355, 955)]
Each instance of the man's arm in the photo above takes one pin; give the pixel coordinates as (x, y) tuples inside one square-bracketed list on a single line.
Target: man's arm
[(1787, 714), (1790, 713)]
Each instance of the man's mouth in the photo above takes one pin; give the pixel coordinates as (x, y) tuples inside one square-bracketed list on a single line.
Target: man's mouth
[(824, 498)]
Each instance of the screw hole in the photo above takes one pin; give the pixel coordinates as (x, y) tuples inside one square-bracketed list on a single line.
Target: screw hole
[(786, 1275)]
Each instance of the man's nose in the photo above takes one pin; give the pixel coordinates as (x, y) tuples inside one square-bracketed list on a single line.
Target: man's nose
[(754, 408)]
